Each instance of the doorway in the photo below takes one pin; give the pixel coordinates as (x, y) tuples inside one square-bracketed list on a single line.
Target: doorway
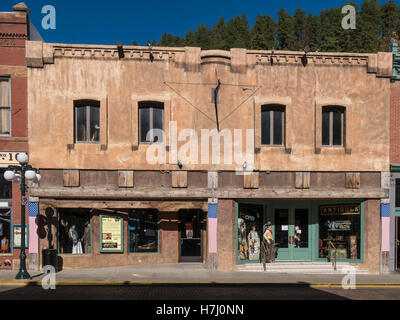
[(191, 228), (292, 233)]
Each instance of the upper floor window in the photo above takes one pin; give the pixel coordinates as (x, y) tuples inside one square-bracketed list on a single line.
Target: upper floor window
[(333, 119), (272, 125), (5, 107), (87, 121), (151, 122)]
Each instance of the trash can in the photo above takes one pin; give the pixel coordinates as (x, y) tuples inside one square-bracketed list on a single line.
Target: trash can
[(49, 258)]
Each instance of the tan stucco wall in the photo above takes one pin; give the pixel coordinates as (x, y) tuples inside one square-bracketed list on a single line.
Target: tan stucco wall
[(183, 79), (372, 237)]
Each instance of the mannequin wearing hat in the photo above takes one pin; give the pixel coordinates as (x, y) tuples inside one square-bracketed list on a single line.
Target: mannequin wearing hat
[(268, 233), (269, 242)]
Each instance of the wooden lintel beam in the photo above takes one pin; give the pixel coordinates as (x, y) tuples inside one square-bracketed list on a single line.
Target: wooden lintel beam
[(205, 193)]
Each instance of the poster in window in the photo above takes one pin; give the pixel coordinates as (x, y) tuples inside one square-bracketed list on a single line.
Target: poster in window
[(17, 235), (111, 234)]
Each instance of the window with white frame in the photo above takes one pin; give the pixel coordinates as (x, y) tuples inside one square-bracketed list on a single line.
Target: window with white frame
[(151, 122), (87, 121), (272, 125), (5, 106), (333, 124)]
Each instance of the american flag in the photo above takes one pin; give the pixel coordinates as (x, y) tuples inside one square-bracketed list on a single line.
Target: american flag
[(33, 208)]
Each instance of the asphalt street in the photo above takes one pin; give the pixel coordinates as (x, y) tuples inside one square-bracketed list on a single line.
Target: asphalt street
[(204, 292)]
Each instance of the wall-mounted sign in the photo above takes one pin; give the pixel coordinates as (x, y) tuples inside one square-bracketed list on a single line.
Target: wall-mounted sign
[(340, 209), (17, 235), (111, 234), (338, 225), (8, 158)]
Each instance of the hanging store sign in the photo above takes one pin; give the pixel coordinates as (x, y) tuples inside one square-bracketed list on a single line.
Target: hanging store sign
[(8, 158), (111, 232), (341, 209)]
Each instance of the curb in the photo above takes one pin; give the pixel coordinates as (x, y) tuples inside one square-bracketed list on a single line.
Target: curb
[(19, 283)]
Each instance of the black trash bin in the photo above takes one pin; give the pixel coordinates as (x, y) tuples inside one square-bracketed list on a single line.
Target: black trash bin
[(49, 258)]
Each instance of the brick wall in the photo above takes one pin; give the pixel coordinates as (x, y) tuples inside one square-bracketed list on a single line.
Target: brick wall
[(13, 35), (395, 123)]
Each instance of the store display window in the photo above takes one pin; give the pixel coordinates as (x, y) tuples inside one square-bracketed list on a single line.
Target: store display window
[(74, 231), (250, 229), (5, 231), (340, 227), (143, 231)]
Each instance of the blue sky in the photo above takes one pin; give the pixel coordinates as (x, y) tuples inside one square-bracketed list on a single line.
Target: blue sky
[(106, 21)]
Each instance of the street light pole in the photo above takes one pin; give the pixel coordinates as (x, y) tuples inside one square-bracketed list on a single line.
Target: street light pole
[(26, 171), (23, 273)]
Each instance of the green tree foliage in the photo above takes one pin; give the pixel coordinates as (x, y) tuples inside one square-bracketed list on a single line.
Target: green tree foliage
[(238, 33), (369, 27), (390, 23), (263, 33), (286, 31), (218, 36), (376, 26), (314, 32)]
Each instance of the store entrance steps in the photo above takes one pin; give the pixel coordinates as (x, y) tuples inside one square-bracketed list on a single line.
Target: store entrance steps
[(300, 267)]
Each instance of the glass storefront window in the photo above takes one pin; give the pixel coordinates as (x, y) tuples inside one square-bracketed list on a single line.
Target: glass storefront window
[(74, 232), (340, 225), (250, 228), (5, 230), (301, 228), (397, 193), (143, 230)]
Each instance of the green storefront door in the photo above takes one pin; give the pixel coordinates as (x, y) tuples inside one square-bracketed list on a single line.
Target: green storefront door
[(292, 232)]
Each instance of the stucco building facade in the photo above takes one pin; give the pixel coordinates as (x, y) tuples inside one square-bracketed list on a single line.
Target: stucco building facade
[(304, 145)]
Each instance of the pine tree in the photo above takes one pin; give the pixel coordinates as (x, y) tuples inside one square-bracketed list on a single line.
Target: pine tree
[(331, 30), (218, 35), (202, 37), (301, 30), (238, 33), (189, 40), (263, 33), (286, 31), (389, 17), (350, 39), (314, 32), (368, 26), (163, 41)]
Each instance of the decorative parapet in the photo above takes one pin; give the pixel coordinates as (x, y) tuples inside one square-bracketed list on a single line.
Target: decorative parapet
[(191, 58), (396, 61)]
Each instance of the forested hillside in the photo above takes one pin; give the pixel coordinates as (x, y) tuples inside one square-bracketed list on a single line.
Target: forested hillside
[(376, 26)]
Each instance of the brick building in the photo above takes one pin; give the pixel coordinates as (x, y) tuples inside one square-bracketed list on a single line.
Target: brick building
[(391, 210), (129, 175), (15, 30)]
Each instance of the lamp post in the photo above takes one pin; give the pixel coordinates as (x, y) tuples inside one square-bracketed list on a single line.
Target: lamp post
[(19, 174)]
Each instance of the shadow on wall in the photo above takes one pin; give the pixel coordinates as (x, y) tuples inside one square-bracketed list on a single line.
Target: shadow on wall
[(45, 224), (45, 230)]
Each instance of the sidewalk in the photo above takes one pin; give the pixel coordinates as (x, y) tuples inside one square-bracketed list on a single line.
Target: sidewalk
[(191, 274)]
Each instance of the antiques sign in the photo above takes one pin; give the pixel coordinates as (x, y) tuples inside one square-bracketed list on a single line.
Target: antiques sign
[(111, 234), (340, 209)]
